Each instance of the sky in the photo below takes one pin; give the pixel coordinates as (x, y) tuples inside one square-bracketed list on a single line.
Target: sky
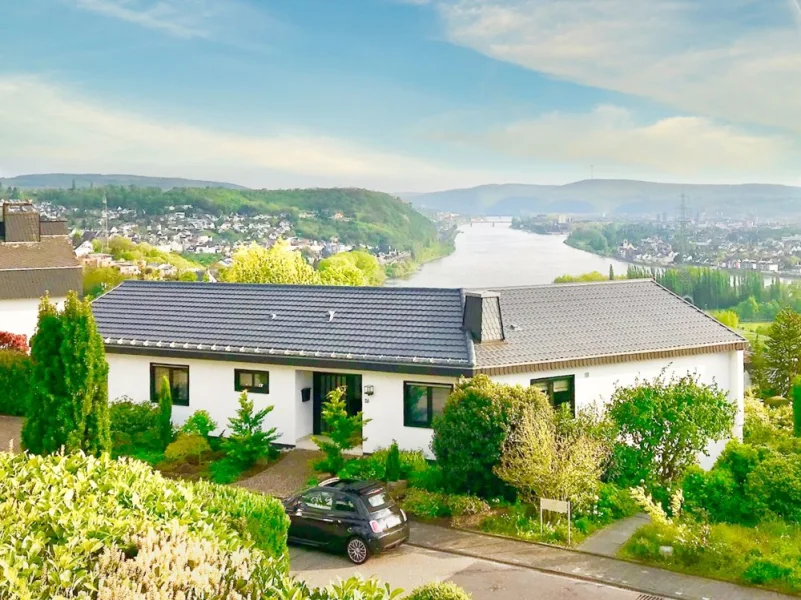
[(403, 95)]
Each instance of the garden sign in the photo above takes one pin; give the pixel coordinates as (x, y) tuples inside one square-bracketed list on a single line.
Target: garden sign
[(557, 506)]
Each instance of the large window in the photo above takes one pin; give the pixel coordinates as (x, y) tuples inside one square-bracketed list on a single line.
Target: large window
[(178, 378), (422, 402), (252, 381), (560, 390)]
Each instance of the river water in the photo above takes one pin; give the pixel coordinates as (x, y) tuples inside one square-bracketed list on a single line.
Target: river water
[(494, 255)]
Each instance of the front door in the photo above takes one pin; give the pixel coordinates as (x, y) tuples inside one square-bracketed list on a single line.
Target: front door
[(324, 383)]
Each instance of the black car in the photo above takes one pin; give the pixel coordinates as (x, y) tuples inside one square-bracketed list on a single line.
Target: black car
[(359, 517)]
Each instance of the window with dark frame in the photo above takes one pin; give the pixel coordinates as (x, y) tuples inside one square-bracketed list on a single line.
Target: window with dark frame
[(422, 402), (178, 378), (560, 390), (257, 382)]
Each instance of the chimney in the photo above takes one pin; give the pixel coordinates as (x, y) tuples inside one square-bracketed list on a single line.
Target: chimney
[(20, 222), (482, 316)]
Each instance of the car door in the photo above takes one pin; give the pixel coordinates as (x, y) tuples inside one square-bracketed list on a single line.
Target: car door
[(346, 519), (312, 518)]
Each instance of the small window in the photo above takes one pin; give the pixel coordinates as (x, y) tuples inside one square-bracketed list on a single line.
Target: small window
[(318, 499), (378, 501), (257, 382), (344, 504), (560, 390), (178, 378), (422, 402)]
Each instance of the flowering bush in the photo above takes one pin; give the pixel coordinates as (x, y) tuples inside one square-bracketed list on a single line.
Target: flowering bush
[(14, 341), (433, 504)]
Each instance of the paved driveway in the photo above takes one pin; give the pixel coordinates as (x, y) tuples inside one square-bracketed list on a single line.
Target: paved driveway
[(408, 567)]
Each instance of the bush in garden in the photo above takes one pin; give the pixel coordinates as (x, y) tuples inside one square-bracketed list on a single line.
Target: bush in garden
[(166, 430), (14, 341), (763, 424), (614, 503), (248, 441), (200, 422), (188, 447), (343, 433), (664, 424), (367, 467), (470, 433), (68, 405), (393, 465), (445, 590), (134, 425), (796, 395), (774, 487), (550, 455), (437, 505), (15, 383)]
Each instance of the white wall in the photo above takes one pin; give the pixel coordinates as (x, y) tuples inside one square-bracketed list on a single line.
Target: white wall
[(21, 315), (211, 388)]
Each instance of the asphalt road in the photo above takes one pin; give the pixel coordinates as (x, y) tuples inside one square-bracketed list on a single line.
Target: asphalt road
[(408, 567)]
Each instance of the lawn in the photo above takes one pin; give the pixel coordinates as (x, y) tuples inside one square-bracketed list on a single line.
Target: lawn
[(751, 330)]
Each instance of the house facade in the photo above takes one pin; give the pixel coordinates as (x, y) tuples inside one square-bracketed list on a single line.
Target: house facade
[(400, 351), (36, 258)]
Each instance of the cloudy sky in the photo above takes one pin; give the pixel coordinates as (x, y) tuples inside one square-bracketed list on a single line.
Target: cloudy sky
[(403, 95)]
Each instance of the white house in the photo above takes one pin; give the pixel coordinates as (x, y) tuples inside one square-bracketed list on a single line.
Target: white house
[(36, 258), (399, 351)]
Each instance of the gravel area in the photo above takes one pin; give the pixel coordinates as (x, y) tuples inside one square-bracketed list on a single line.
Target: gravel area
[(10, 430), (287, 476)]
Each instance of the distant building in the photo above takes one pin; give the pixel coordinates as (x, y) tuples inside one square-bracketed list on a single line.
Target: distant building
[(36, 258)]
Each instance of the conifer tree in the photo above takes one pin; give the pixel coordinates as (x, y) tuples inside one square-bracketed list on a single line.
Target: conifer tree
[(165, 412)]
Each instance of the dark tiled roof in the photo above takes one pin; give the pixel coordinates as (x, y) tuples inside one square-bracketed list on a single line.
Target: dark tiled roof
[(53, 228), (391, 325), (542, 325), (30, 269), (569, 322)]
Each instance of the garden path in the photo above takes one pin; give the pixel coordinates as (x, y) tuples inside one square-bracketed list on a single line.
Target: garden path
[(10, 430), (287, 476), (612, 538), (581, 565)]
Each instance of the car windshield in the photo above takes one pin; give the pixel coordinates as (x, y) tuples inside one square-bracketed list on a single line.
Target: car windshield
[(378, 500)]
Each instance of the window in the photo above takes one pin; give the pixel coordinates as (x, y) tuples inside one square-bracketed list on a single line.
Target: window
[(257, 382), (318, 499), (343, 504), (560, 390), (178, 378), (422, 402)]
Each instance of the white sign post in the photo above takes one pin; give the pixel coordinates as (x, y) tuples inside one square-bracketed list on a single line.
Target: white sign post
[(557, 506)]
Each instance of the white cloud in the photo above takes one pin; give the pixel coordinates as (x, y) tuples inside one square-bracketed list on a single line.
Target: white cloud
[(53, 130), (689, 147), (181, 18), (705, 58)]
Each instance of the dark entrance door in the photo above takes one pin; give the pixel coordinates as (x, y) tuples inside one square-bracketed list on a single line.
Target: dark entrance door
[(323, 383)]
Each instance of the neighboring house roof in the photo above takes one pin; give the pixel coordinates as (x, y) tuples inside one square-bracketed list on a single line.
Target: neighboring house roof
[(407, 329), (31, 269)]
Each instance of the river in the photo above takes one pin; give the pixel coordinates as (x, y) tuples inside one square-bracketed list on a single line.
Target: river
[(495, 255)]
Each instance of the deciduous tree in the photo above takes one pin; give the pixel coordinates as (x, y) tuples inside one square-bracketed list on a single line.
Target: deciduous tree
[(279, 264), (782, 351)]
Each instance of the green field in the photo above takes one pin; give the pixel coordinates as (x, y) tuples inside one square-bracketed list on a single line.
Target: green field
[(751, 331)]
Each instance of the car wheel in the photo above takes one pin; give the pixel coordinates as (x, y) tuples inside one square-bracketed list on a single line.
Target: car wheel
[(357, 550)]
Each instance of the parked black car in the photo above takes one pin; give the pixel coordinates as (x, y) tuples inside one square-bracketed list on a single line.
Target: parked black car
[(359, 517)]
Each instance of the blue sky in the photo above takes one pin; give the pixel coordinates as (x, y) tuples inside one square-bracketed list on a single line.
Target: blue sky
[(403, 95)]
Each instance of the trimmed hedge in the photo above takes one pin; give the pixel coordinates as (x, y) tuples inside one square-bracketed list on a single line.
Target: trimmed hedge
[(15, 372)]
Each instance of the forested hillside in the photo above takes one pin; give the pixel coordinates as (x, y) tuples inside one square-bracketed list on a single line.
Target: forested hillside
[(354, 216)]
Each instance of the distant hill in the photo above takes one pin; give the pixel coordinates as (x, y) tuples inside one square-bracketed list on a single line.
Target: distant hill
[(85, 180), (610, 196)]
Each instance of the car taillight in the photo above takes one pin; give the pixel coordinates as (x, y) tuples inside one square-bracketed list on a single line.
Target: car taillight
[(376, 527)]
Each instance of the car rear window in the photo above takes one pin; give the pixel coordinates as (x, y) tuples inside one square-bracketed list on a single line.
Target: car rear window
[(378, 500)]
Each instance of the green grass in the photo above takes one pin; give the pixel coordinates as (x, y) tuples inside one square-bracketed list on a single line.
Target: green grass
[(768, 555), (752, 330)]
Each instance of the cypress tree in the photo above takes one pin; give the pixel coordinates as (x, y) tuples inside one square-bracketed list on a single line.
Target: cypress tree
[(165, 412)]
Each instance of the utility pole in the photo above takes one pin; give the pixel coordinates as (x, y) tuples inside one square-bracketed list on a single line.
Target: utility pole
[(105, 223)]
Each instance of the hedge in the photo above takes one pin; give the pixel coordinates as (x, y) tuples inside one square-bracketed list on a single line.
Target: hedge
[(15, 368)]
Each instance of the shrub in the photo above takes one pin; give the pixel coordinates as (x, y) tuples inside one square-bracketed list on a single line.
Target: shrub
[(550, 455), (393, 466), (470, 433), (15, 382), (367, 467), (445, 590), (344, 432), (664, 424), (774, 487), (14, 341), (436, 505), (225, 471), (165, 427), (134, 426), (430, 478), (248, 441), (613, 503), (765, 425), (796, 392), (200, 422), (188, 447)]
